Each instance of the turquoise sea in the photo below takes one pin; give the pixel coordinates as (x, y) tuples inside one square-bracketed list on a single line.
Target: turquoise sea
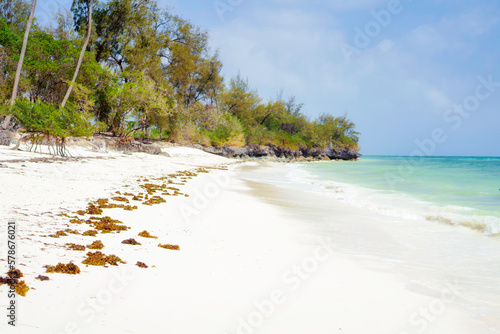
[(454, 190), (434, 221)]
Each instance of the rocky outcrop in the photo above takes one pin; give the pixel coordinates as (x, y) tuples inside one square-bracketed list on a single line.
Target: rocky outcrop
[(270, 151), (6, 137), (137, 146), (102, 143)]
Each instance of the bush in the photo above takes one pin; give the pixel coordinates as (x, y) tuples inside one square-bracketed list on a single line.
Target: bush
[(50, 120)]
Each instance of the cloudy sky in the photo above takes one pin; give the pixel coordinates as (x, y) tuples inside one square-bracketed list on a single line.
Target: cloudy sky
[(413, 75)]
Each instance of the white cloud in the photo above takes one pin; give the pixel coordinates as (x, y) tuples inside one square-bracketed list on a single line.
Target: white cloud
[(385, 46), (438, 99), (453, 33), (277, 49)]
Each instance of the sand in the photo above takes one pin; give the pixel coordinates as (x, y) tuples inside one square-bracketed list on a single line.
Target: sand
[(249, 261)]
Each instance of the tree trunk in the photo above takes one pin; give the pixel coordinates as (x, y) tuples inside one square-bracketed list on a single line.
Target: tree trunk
[(89, 30), (6, 122)]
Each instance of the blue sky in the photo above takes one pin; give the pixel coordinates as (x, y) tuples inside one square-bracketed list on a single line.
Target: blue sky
[(410, 74)]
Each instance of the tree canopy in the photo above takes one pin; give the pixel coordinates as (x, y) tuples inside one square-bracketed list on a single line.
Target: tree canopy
[(145, 72)]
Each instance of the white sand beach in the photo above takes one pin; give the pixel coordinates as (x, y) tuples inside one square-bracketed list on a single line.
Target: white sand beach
[(253, 258)]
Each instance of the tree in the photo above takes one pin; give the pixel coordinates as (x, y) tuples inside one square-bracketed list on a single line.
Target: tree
[(192, 70), (336, 130), (6, 63), (292, 107), (15, 13), (126, 34), (134, 38), (45, 122), (49, 62), (139, 98), (137, 67), (7, 119), (241, 101), (80, 59)]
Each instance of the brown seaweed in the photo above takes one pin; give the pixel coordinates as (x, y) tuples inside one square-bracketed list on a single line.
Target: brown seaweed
[(62, 268), (141, 264), (100, 259), (76, 247), (145, 234), (168, 246), (130, 241), (96, 245)]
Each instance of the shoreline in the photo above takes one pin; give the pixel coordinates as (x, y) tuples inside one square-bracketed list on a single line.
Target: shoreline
[(102, 142), (429, 256), (253, 257)]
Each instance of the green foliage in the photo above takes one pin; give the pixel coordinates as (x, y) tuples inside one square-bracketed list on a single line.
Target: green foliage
[(281, 122), (146, 73), (5, 109), (206, 125), (140, 99), (220, 135), (15, 13), (337, 130), (8, 60), (48, 65), (48, 119)]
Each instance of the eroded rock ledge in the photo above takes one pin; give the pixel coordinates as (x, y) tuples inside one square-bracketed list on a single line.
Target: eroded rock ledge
[(268, 151)]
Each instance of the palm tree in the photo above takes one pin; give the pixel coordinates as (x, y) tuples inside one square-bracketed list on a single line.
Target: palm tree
[(82, 53), (7, 119)]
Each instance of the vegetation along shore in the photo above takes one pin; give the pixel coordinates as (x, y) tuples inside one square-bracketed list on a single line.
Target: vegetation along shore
[(133, 70)]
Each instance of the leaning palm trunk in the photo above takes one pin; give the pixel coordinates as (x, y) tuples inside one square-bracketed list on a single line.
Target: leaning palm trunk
[(75, 75), (7, 119)]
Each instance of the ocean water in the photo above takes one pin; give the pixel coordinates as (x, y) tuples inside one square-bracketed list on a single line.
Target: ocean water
[(461, 191), (434, 221), (442, 216)]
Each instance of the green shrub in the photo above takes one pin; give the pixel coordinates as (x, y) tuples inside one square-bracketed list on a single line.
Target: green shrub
[(51, 120)]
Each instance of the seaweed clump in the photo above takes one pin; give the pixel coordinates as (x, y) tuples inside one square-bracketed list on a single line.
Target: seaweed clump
[(99, 259), (130, 241), (145, 234), (62, 268), (94, 210), (152, 188), (201, 170), (168, 246), (42, 278), (58, 234), (76, 247), (12, 277), (141, 264), (15, 274), (90, 233), (96, 245), (103, 203), (21, 288), (154, 200), (107, 224), (120, 199), (175, 190)]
